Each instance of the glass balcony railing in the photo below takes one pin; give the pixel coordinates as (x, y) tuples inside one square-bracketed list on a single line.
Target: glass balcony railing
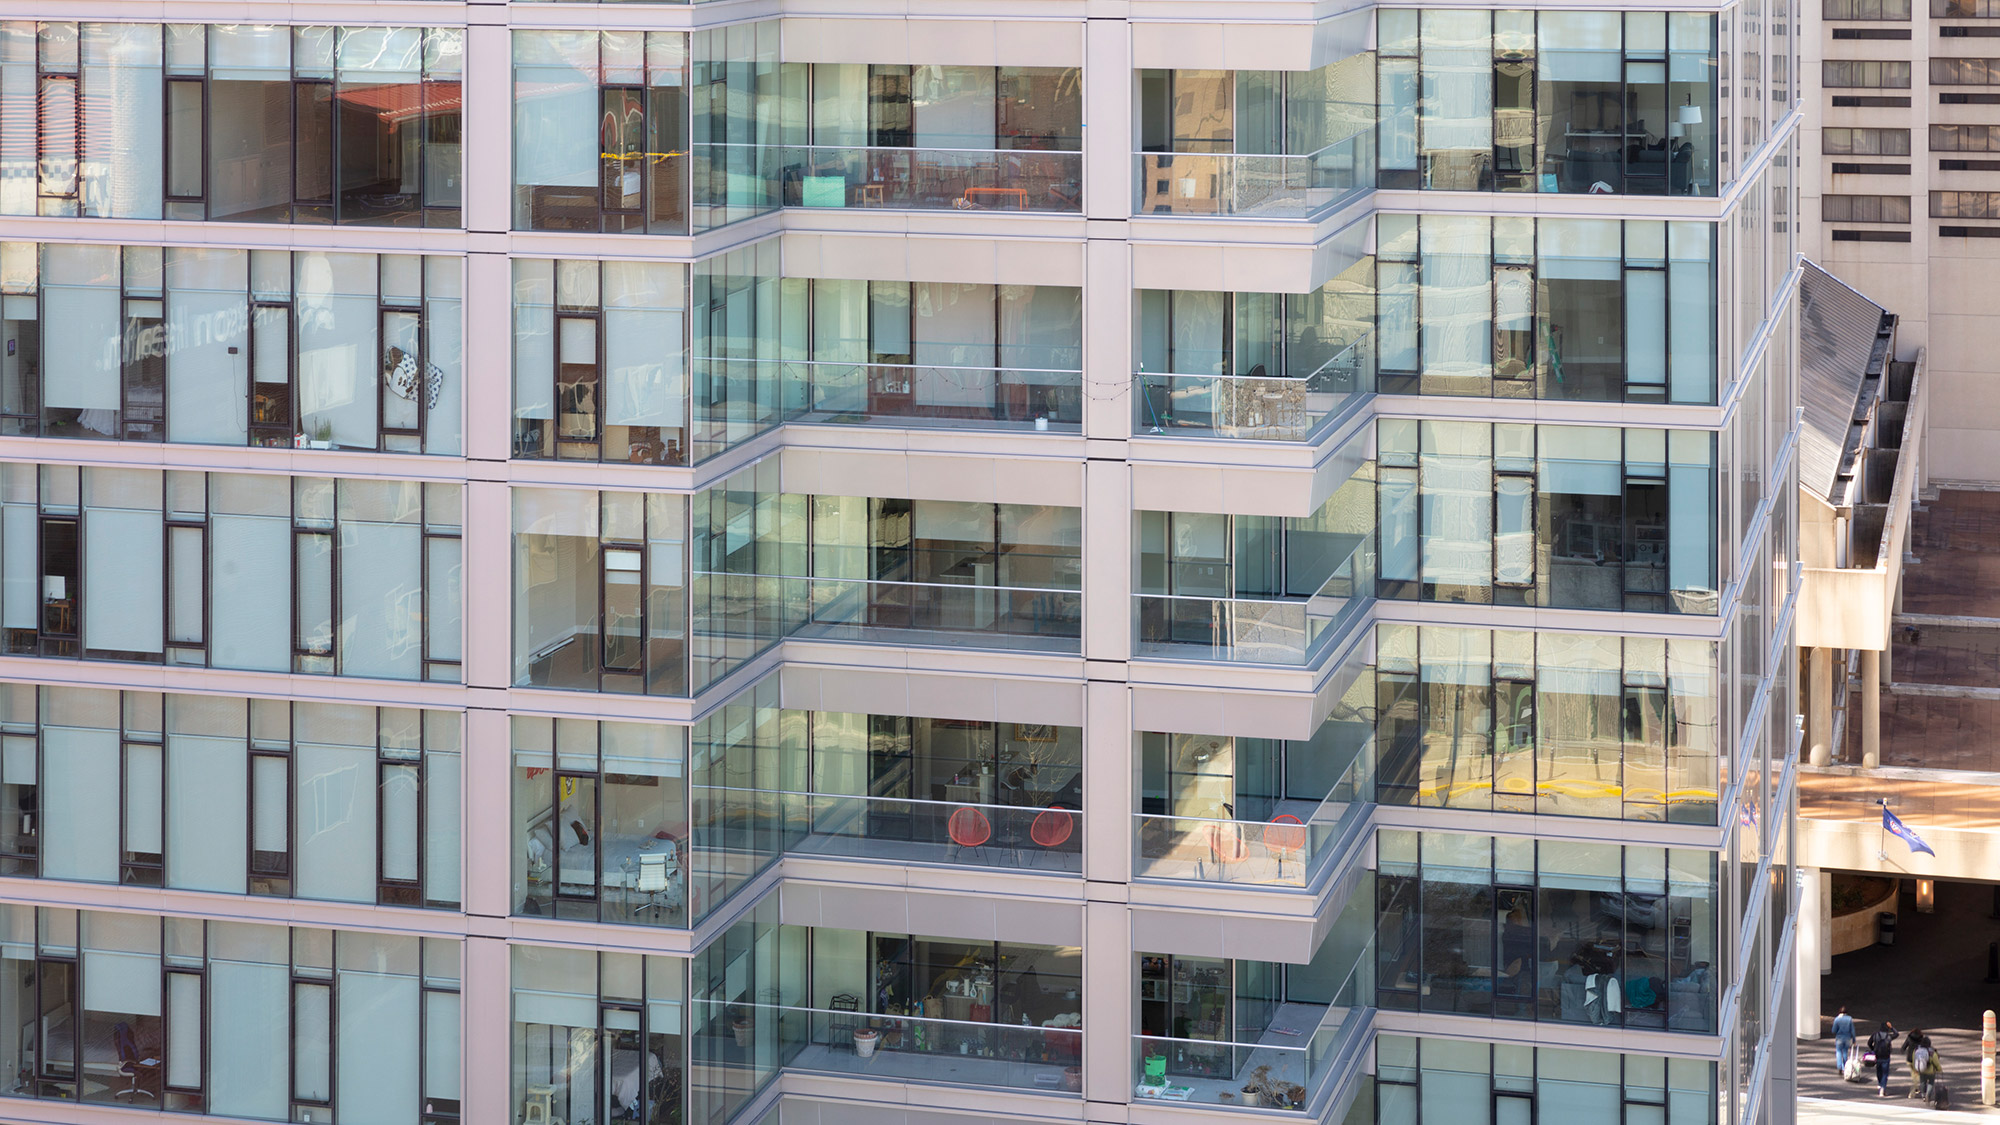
[(1289, 850), (1250, 407), (1243, 630), (905, 179), (947, 613), (946, 397), (963, 1046), (1045, 838), (1282, 1065), (1264, 187)]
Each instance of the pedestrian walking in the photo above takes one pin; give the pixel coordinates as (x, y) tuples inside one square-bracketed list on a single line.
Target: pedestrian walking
[(1922, 1058), (1879, 1045), (1843, 1039)]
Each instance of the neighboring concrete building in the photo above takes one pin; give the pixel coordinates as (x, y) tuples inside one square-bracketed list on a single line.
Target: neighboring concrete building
[(571, 563), (1903, 200)]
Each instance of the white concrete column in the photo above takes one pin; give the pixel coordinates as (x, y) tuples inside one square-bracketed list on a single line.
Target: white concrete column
[(1812, 937), (1110, 783), (489, 126), (1871, 708), (486, 1032), (488, 584), (1108, 118), (1110, 1007), (1819, 707), (1107, 567), (484, 824)]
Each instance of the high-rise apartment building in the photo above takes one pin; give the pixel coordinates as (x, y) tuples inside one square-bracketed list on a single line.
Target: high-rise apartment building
[(1904, 201), (1080, 561)]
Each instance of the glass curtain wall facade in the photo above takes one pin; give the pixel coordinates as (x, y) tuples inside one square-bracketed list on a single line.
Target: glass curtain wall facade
[(562, 565)]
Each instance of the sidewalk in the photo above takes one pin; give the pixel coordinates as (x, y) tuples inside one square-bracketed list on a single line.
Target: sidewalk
[(1815, 1111)]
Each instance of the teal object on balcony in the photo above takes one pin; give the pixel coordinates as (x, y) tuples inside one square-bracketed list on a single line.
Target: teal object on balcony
[(1156, 1070), (825, 191)]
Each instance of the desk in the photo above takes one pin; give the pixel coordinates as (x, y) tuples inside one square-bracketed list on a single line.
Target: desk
[(973, 195)]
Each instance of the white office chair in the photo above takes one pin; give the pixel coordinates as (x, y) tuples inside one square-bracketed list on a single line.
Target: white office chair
[(652, 882)]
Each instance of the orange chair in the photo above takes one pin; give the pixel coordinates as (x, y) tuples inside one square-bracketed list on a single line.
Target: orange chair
[(1052, 827), (1225, 845), (968, 828), (1284, 837)]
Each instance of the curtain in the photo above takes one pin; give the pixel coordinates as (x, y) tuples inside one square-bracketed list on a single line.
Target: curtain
[(207, 810), (555, 110), (534, 338), (645, 361), (442, 820), (80, 303)]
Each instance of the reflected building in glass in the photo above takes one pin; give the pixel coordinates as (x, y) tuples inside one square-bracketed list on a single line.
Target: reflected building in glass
[(677, 564)]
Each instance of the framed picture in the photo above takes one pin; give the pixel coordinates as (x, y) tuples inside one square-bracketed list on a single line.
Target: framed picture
[(1034, 732)]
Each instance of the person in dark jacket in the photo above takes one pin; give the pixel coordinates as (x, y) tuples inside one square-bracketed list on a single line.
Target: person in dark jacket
[(1880, 1044)]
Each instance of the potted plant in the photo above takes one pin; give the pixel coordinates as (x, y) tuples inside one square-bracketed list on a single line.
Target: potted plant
[(739, 1023), (1295, 1096), (1257, 1090), (866, 1039)]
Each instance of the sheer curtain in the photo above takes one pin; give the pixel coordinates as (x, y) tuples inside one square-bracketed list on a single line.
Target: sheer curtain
[(124, 572), (339, 363), (250, 573), (80, 302), (124, 153), (79, 769)]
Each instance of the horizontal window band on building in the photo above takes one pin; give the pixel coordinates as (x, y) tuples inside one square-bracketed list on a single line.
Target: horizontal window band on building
[(1865, 74), (1465, 928), (1969, 32), (239, 122), (1968, 99), (605, 604), (1965, 72), (696, 131), (1969, 232), (1965, 138), (215, 346), (260, 573), (234, 1019), (1583, 102), (1865, 9), (610, 366), (1450, 1079), (233, 796), (1841, 169), (1852, 101), (1835, 141), (1871, 33), (1965, 205), (1969, 165), (1865, 208), (1871, 236), (1965, 9)]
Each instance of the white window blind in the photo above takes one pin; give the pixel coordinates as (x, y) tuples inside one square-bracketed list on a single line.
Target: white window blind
[(378, 1047), (250, 593), (121, 983), (123, 580), (208, 319), (207, 810), (79, 778), (381, 604), (336, 829), (248, 1028), (339, 362), (183, 1029), (312, 1041), (399, 822), (83, 376), (441, 827), (143, 784), (441, 1045), (123, 147)]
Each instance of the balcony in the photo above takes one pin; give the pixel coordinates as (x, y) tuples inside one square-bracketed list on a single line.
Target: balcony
[(1252, 407), (1291, 849), (944, 613), (929, 179), (942, 397), (1036, 838)]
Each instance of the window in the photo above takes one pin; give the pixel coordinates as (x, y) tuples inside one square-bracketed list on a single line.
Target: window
[(601, 131), (1969, 32), (605, 1035), (245, 124), (201, 795), (1964, 9), (360, 1024), (1969, 232), (233, 347), (1865, 208), (1551, 102), (1840, 169), (1965, 72), (1965, 205), (1866, 74), (1871, 33), (1871, 236), (228, 570), (1464, 918), (1865, 9), (1868, 142), (1849, 101), (1539, 1085), (1965, 138)]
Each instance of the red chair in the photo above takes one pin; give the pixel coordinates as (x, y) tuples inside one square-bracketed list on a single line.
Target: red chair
[(968, 828), (1284, 837), (1225, 845), (1052, 827)]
